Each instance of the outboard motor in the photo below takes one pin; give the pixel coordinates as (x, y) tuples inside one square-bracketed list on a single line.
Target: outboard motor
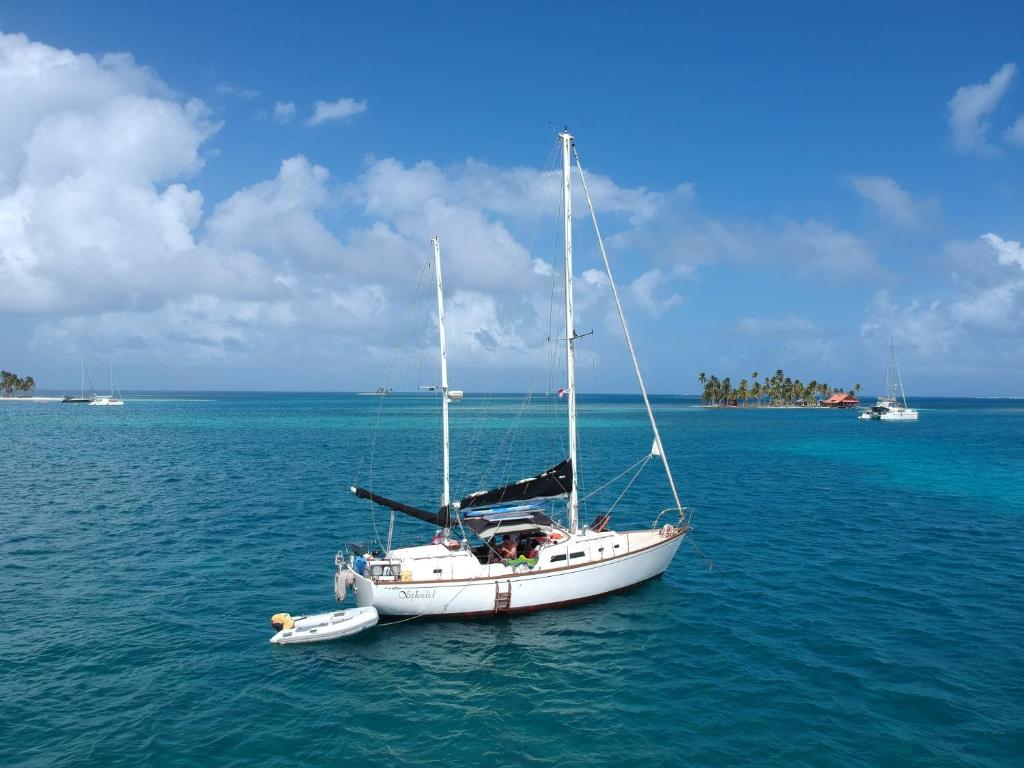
[(281, 621)]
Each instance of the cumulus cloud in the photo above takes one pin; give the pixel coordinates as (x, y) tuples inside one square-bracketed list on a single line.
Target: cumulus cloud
[(93, 217), (978, 325), (103, 239), (1015, 133), (278, 218), (893, 204), (44, 82), (971, 105), (1009, 252), (284, 111), (326, 111), (923, 327)]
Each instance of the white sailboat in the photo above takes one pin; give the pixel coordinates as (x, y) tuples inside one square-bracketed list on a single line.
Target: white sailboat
[(113, 398), (889, 407), (540, 563)]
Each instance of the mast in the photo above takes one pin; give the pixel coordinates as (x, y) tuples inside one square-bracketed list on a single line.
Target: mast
[(83, 377), (446, 494), (890, 372), (896, 368), (570, 330)]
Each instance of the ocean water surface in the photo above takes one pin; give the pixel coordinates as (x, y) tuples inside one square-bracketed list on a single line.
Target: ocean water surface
[(865, 608)]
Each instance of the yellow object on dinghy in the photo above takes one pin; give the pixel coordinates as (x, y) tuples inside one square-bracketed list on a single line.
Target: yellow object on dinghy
[(281, 621)]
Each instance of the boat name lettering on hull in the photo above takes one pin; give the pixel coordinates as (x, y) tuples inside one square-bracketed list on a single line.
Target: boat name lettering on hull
[(416, 594)]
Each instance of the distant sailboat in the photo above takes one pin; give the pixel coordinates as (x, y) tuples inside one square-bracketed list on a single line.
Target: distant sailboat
[(113, 398), (81, 397), (888, 407)]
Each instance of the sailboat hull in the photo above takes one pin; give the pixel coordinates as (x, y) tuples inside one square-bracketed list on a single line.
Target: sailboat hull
[(903, 414), (525, 591)]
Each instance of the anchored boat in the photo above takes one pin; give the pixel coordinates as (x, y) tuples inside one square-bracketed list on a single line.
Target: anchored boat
[(888, 408), (524, 560)]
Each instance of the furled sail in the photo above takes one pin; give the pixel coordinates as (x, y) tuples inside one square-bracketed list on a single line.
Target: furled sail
[(442, 518), (552, 483)]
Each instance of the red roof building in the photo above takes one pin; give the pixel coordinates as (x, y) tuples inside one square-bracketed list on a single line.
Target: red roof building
[(841, 400)]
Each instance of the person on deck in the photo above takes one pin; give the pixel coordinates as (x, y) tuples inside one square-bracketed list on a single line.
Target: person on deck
[(505, 551)]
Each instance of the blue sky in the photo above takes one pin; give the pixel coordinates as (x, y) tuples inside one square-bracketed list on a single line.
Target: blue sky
[(779, 187)]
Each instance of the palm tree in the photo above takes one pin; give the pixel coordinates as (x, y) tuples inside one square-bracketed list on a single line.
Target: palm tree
[(742, 392)]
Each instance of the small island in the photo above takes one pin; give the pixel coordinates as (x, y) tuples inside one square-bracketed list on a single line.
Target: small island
[(12, 385), (777, 391)]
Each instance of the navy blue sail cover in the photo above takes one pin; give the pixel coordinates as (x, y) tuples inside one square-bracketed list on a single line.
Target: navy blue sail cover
[(550, 484)]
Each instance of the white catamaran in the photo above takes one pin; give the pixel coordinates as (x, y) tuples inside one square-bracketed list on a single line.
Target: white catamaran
[(888, 407), (114, 398), (539, 563)]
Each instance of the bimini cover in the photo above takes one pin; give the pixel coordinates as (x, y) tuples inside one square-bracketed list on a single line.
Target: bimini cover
[(553, 483), (487, 523)]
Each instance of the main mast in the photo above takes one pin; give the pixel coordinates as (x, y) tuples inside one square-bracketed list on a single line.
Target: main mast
[(446, 493), (891, 375), (570, 331)]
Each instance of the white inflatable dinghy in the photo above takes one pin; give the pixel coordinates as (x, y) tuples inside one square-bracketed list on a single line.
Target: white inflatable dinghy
[(322, 626)]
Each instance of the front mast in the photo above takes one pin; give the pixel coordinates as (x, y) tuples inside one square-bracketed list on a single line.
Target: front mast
[(446, 495), (570, 331)]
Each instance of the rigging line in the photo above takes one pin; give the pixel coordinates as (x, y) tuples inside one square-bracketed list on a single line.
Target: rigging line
[(629, 340), (515, 264), (475, 442), (548, 169), (380, 404), (509, 435), (622, 474), (515, 431), (710, 563), (629, 484)]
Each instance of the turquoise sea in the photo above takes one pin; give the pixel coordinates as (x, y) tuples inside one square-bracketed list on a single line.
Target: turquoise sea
[(866, 607)]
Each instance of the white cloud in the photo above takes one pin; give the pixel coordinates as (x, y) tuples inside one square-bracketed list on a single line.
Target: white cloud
[(192, 330), (278, 218), (969, 107), (227, 89), (1015, 133), (894, 204), (815, 248), (88, 220), (284, 111), (996, 307), (1009, 252), (642, 291), (44, 82), (978, 325), (325, 111), (924, 328)]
